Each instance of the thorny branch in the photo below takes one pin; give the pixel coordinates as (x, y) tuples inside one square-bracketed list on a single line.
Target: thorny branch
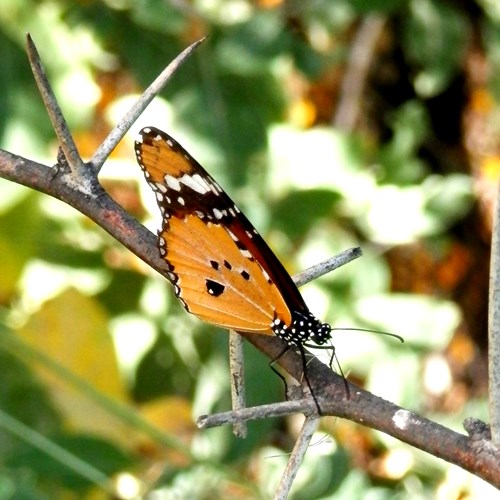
[(80, 189)]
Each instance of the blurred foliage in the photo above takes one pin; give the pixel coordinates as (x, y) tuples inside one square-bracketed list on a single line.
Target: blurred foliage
[(103, 371)]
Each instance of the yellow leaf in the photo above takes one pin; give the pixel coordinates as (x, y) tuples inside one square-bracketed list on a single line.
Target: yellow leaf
[(72, 330), (11, 268), (173, 415)]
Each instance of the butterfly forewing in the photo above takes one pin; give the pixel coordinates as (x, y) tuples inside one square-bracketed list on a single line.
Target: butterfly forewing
[(217, 283), (222, 269)]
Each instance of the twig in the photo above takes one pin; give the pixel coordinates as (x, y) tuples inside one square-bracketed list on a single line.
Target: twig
[(116, 135), (237, 370), (327, 266), (236, 341), (59, 123), (494, 328), (256, 412), (299, 450), (359, 62)]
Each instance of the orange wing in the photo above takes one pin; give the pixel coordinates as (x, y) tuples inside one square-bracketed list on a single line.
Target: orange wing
[(216, 282), (222, 269)]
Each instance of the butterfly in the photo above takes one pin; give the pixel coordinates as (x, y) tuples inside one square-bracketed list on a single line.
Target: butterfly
[(222, 270)]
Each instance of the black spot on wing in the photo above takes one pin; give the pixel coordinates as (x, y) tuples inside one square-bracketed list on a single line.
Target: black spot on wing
[(213, 288)]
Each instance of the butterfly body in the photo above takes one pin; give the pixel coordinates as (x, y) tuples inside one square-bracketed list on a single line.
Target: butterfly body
[(221, 268)]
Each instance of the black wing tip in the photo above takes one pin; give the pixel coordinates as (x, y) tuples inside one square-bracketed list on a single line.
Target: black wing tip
[(149, 134), (148, 131)]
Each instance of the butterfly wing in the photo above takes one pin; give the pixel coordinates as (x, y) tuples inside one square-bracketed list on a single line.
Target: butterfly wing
[(222, 269)]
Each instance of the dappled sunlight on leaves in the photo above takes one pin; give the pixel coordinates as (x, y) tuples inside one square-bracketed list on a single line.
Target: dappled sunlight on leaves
[(413, 184)]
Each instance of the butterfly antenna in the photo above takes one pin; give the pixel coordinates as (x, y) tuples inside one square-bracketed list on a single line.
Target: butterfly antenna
[(380, 332)]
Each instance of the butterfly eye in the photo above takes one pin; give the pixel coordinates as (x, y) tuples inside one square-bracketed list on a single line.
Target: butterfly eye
[(321, 334)]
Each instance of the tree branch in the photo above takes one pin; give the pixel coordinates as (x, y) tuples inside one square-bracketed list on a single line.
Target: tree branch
[(478, 456)]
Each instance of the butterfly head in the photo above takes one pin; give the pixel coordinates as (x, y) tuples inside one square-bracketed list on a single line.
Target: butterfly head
[(304, 327), (322, 333)]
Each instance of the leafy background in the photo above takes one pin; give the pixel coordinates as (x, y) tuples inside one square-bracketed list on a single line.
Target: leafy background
[(102, 370)]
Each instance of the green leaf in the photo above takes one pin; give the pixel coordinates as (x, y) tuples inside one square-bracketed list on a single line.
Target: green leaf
[(22, 396), (19, 485), (410, 127), (103, 456), (162, 371), (449, 198), (123, 292), (382, 6), (432, 324), (21, 230), (241, 132), (298, 211), (435, 37)]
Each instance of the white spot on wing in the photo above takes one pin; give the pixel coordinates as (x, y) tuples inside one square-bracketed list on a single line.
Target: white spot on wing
[(264, 272), (196, 182), (172, 182), (233, 236), (246, 253), (161, 187), (220, 213)]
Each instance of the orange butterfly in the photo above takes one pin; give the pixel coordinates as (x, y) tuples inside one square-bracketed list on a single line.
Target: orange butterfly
[(222, 270)]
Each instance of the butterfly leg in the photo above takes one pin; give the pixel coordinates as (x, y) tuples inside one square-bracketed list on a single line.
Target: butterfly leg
[(333, 358), (304, 371), (306, 378), (271, 364)]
